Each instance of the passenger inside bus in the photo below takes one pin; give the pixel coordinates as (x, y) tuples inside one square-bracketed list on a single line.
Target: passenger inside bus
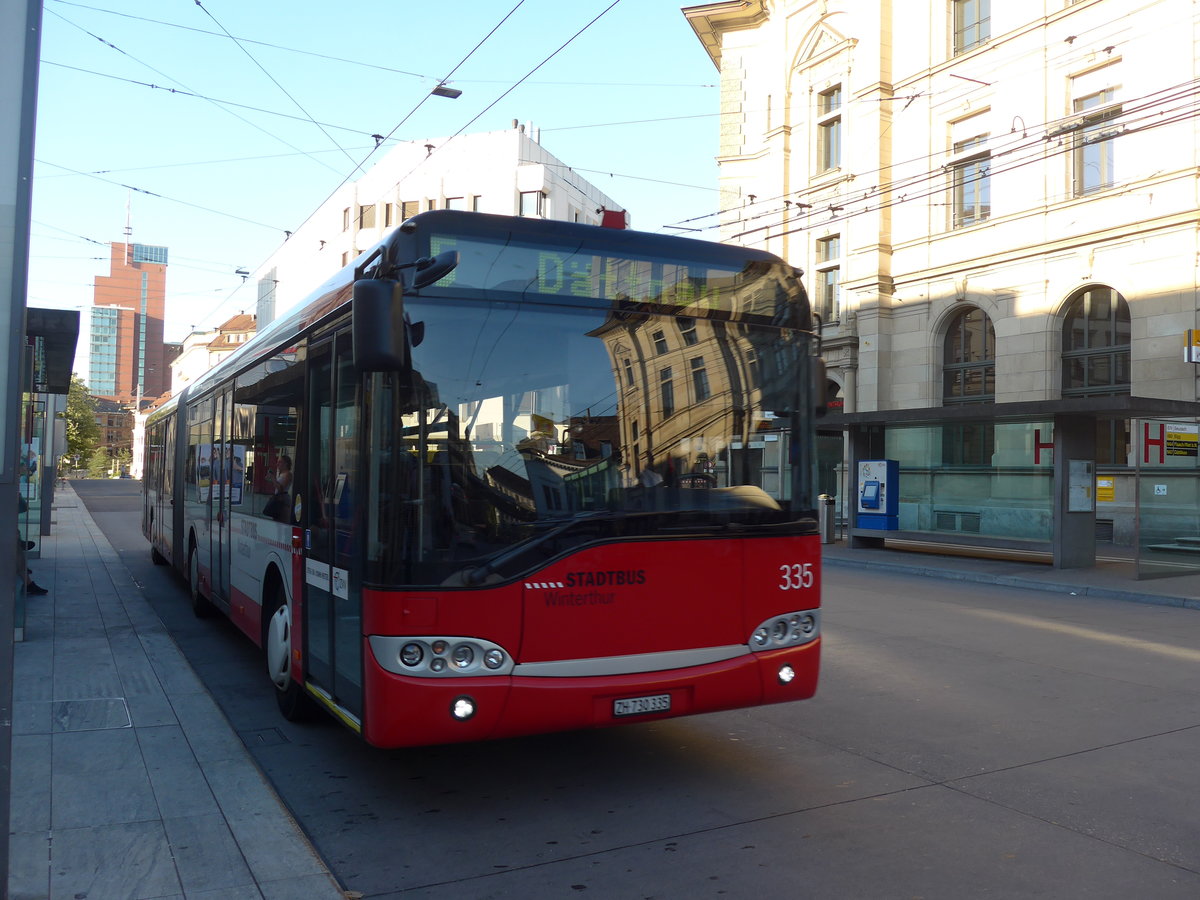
[(279, 507)]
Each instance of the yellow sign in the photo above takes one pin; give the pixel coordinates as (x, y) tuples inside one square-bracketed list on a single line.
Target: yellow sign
[(1183, 440), (1191, 346), (1106, 490)]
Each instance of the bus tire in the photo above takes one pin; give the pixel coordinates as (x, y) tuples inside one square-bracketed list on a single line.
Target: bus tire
[(155, 557), (201, 607), (294, 703)]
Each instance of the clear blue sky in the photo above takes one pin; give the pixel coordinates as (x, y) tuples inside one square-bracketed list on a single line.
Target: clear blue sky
[(631, 103)]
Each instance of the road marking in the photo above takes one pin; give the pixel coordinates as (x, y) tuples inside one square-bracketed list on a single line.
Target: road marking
[(1091, 634)]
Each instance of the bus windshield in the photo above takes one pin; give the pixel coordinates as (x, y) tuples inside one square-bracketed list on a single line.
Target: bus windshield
[(527, 430)]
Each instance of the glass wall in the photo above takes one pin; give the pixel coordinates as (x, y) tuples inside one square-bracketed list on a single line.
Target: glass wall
[(29, 496), (1167, 497), (991, 479)]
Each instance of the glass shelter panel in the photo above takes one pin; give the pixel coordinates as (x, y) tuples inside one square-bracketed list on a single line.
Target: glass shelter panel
[(1168, 497), (976, 478)]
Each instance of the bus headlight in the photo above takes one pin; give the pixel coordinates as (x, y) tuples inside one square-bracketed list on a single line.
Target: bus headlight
[(412, 655), (439, 656), (788, 630), (462, 708)]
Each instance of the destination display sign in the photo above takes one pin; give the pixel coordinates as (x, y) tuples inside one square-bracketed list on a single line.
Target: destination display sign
[(551, 273)]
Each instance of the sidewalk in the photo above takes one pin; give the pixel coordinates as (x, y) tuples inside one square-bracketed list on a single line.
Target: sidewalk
[(1114, 576), (127, 780)]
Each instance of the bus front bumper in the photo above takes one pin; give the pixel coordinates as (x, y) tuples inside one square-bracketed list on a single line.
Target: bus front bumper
[(407, 712)]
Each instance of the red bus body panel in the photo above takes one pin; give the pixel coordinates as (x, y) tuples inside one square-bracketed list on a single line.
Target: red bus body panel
[(679, 595)]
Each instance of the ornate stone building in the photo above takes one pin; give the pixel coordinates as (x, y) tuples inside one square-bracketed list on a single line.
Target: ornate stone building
[(996, 208)]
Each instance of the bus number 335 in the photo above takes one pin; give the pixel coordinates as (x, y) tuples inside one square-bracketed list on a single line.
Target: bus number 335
[(796, 576)]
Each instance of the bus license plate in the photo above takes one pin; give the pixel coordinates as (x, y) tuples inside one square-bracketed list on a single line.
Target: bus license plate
[(636, 706)]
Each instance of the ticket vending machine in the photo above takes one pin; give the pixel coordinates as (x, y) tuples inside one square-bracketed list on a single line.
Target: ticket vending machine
[(879, 494)]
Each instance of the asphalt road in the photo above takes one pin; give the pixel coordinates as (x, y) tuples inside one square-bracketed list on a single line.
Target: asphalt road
[(967, 741)]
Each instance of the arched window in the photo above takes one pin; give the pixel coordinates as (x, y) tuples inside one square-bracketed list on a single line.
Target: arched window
[(969, 376), (969, 366), (1095, 347), (1095, 361)]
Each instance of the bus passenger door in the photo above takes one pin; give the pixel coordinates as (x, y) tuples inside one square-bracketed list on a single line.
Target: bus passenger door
[(164, 512), (222, 470), (333, 599)]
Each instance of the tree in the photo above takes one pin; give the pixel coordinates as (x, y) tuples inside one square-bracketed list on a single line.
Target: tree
[(99, 464), (83, 434)]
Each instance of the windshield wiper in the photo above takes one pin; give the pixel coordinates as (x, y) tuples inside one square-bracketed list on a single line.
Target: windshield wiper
[(479, 574)]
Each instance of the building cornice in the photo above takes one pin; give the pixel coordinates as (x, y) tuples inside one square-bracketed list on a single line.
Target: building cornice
[(711, 20), (1091, 239)]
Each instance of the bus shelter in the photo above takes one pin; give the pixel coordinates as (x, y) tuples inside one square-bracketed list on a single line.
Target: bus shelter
[(51, 336), (1050, 478)]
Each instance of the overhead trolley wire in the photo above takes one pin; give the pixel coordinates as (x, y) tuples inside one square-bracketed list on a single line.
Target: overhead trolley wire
[(366, 65), (177, 81), (398, 125), (514, 86), (940, 189), (149, 193), (244, 40), (275, 81), (410, 113), (184, 93), (1133, 110), (904, 90)]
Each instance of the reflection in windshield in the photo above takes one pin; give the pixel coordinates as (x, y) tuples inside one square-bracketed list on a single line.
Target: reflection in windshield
[(524, 433)]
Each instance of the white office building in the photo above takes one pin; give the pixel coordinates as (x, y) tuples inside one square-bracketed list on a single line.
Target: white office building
[(502, 172)]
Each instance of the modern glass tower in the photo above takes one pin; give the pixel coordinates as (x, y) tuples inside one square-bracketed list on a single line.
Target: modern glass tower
[(127, 354)]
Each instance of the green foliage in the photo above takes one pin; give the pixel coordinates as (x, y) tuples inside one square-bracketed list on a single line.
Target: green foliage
[(83, 434), (99, 463)]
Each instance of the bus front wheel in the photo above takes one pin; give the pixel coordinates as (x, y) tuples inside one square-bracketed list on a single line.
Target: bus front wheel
[(294, 702)]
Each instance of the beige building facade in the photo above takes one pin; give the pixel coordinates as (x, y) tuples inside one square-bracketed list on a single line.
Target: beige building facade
[(996, 209)]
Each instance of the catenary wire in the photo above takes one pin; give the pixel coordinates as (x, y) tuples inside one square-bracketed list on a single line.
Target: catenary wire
[(367, 65), (401, 123), (177, 81), (183, 93), (275, 81)]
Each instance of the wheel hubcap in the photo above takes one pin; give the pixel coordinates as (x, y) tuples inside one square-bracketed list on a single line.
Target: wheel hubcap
[(279, 634)]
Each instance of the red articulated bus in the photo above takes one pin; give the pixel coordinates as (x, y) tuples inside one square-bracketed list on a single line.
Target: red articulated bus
[(503, 476)]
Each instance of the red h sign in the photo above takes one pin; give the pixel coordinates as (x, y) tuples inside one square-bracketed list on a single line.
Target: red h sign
[(1039, 445), (1160, 442)]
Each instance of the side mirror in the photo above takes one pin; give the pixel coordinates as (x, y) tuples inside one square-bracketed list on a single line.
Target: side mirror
[(380, 344), (430, 270)]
